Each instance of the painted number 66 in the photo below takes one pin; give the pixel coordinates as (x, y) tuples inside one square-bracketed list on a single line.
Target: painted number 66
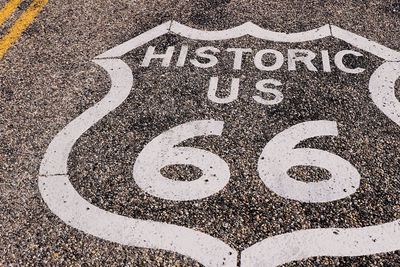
[(277, 157)]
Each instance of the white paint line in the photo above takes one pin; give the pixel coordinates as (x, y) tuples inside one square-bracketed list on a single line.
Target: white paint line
[(245, 29), (136, 42), (382, 89), (314, 34), (56, 157), (65, 202), (249, 28), (254, 30), (281, 249), (365, 44), (196, 34)]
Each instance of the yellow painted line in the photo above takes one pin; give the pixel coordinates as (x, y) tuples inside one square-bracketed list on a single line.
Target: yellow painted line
[(8, 9), (20, 25)]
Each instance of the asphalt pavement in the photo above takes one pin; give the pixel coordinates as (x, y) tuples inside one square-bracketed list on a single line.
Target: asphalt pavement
[(313, 107)]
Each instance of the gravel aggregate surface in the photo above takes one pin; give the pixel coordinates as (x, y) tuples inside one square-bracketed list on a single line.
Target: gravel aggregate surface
[(48, 78)]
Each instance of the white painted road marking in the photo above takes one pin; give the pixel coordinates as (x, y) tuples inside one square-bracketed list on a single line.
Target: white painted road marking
[(67, 204), (279, 155), (161, 152)]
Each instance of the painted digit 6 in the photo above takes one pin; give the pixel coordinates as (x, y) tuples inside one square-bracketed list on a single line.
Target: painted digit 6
[(279, 155), (161, 152)]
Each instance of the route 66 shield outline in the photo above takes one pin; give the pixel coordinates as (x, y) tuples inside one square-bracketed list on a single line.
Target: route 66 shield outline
[(65, 202)]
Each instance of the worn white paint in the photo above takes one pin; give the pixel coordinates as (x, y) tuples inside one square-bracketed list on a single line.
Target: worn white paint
[(382, 89), (301, 55), (337, 242), (325, 61), (213, 88), (262, 87), (68, 205), (238, 56), (182, 56), (339, 61), (207, 53), (151, 54), (280, 154), (258, 60), (365, 44), (251, 29), (163, 151)]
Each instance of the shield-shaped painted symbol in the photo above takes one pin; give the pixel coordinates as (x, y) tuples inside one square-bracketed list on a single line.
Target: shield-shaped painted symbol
[(274, 160)]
